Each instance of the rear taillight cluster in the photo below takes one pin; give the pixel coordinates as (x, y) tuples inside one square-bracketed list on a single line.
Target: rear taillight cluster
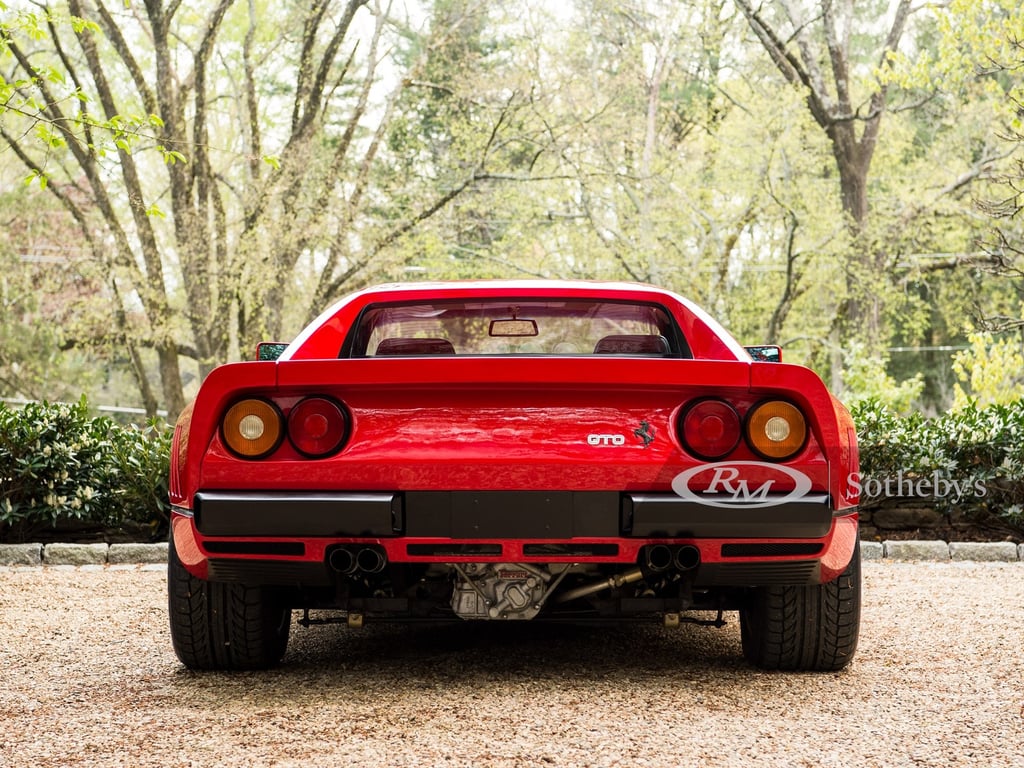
[(712, 428), (315, 426)]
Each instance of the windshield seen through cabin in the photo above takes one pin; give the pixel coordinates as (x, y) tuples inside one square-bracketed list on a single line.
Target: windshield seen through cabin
[(509, 327)]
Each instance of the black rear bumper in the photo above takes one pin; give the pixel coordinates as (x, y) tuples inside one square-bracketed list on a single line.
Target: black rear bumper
[(473, 515)]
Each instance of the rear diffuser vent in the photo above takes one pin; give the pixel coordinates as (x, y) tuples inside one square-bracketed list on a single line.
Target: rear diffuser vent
[(770, 550), (571, 550), (268, 548), (454, 550)]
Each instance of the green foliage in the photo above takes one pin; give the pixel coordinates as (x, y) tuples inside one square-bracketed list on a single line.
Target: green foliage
[(972, 458), (59, 463), (865, 379), (993, 372), (41, 302), (976, 42)]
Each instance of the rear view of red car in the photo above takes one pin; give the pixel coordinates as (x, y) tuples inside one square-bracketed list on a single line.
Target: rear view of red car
[(514, 451)]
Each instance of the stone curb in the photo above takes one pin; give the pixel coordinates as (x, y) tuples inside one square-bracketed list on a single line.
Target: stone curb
[(131, 554), (82, 554), (927, 551), (16, 555), (75, 554), (872, 550), (21, 554), (1000, 551), (941, 552)]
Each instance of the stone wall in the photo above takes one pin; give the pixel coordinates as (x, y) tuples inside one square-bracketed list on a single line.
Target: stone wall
[(898, 518)]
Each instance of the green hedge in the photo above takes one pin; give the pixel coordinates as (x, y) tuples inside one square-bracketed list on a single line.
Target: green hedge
[(58, 464), (971, 458)]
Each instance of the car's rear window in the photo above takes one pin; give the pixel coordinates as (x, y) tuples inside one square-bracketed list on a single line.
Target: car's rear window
[(509, 327)]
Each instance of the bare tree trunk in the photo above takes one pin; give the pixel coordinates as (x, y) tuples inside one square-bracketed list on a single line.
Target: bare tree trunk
[(853, 160), (797, 46)]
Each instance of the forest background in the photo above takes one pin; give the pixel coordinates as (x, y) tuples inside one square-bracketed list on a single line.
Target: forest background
[(181, 180)]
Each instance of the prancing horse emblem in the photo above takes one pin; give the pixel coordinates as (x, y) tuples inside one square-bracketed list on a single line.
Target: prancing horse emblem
[(645, 432)]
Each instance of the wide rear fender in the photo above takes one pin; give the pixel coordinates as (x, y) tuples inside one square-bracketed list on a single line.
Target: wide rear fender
[(200, 420), (830, 420)]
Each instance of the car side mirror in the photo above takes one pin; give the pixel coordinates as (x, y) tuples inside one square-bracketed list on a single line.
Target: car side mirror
[(766, 353), (270, 350)]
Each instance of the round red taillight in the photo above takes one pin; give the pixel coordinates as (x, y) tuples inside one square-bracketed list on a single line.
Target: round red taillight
[(317, 426), (710, 429)]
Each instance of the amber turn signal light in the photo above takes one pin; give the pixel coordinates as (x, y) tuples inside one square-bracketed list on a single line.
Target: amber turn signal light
[(776, 429), (252, 428)]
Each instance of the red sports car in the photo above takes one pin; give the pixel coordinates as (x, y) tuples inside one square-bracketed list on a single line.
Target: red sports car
[(501, 451)]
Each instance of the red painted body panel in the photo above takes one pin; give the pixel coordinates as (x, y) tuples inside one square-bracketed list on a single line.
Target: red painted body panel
[(836, 548), (508, 424)]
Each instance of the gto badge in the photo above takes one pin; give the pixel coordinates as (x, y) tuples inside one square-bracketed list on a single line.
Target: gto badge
[(597, 439)]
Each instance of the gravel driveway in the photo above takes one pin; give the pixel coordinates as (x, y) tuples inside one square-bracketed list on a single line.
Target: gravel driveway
[(87, 677)]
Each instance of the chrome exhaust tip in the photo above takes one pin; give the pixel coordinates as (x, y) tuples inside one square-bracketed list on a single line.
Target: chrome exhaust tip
[(341, 560), (686, 558), (371, 560), (657, 558)]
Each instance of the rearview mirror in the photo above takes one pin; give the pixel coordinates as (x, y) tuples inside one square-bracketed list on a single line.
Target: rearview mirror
[(270, 350), (513, 328), (766, 353)]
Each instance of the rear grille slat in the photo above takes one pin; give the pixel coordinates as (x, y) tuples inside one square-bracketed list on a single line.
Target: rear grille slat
[(262, 572), (803, 572)]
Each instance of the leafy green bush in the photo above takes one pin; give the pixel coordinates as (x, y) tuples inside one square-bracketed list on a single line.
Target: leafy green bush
[(59, 463), (972, 458)]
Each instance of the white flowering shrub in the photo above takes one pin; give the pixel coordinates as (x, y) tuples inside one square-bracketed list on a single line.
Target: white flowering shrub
[(57, 462)]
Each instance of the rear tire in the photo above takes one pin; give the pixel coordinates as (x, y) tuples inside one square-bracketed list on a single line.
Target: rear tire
[(804, 628), (217, 625)]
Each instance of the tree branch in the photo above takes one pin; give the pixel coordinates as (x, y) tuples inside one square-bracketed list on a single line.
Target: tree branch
[(113, 33), (789, 65)]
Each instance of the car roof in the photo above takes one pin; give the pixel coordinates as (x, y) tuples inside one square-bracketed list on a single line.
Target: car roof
[(524, 287), (334, 321)]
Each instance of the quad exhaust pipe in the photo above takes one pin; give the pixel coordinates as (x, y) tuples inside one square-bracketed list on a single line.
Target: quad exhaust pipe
[(349, 561), (660, 557)]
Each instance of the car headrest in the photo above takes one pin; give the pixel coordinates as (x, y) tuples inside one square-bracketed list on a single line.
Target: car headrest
[(632, 344), (401, 346)]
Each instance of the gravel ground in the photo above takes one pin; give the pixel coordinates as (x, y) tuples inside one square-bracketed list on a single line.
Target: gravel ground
[(88, 678)]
